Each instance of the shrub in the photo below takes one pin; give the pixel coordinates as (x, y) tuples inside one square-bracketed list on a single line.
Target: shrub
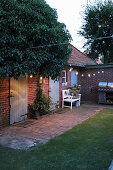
[(41, 103)]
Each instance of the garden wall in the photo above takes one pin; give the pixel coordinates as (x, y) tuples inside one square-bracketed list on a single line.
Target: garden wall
[(4, 102), (32, 87)]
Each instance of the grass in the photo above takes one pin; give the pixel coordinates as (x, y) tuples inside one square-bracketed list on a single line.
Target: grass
[(88, 146)]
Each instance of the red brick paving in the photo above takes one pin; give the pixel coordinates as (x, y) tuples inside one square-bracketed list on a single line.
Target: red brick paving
[(49, 126)]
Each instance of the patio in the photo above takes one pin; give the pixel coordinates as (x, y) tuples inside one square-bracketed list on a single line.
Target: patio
[(29, 133)]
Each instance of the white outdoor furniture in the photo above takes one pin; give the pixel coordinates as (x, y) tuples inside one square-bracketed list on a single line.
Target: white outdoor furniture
[(67, 98)]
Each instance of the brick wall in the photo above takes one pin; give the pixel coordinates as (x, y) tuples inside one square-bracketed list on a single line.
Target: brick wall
[(96, 75), (32, 87), (4, 102), (45, 87)]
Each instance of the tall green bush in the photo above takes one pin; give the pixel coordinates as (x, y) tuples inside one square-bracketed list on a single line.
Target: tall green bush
[(27, 30)]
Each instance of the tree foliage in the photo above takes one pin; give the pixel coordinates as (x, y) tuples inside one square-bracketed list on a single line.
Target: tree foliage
[(98, 23), (25, 24)]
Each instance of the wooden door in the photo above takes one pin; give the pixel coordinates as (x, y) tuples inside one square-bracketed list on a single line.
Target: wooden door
[(54, 93), (18, 99)]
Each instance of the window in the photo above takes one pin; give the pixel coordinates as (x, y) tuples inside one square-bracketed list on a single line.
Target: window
[(74, 74), (64, 77)]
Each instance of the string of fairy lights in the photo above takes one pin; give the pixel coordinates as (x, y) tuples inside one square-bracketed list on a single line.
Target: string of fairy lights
[(65, 43), (94, 74), (89, 74), (77, 73)]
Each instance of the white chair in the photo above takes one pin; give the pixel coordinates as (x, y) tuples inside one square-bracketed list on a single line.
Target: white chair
[(67, 98)]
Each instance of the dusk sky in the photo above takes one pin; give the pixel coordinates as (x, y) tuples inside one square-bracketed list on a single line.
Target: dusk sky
[(70, 12)]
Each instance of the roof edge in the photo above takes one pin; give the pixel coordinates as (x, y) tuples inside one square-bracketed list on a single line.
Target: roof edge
[(76, 65), (99, 66)]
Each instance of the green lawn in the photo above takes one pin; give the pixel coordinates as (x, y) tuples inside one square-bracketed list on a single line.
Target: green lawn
[(87, 146)]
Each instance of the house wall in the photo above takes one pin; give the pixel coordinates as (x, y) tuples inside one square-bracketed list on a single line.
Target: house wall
[(32, 87), (45, 86), (96, 75), (4, 102), (87, 82)]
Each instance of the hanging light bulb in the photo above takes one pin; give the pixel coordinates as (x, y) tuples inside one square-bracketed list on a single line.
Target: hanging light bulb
[(102, 71), (98, 72), (70, 69), (89, 75), (41, 79), (93, 74), (82, 75), (77, 73), (31, 76)]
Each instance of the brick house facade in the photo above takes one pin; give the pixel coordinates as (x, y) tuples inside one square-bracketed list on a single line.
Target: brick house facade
[(77, 62), (89, 75)]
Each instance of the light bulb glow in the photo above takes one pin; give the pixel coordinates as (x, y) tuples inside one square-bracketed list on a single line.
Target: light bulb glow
[(70, 69), (89, 75), (31, 76), (77, 73)]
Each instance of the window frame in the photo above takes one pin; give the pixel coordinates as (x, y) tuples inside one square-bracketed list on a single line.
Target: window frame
[(65, 78)]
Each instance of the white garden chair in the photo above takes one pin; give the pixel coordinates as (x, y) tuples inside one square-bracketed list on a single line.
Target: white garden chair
[(67, 98)]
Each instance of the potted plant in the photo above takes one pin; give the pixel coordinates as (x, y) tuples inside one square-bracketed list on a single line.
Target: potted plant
[(75, 90), (34, 112), (40, 106)]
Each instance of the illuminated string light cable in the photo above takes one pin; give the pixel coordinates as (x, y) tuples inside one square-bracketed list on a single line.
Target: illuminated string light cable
[(94, 74), (100, 38), (49, 45)]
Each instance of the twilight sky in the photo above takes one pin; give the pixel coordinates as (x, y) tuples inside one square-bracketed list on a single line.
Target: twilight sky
[(70, 12)]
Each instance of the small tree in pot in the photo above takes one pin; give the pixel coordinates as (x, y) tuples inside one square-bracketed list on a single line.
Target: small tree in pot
[(41, 104)]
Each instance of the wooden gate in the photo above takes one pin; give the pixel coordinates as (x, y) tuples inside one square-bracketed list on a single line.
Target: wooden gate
[(54, 93), (18, 99)]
